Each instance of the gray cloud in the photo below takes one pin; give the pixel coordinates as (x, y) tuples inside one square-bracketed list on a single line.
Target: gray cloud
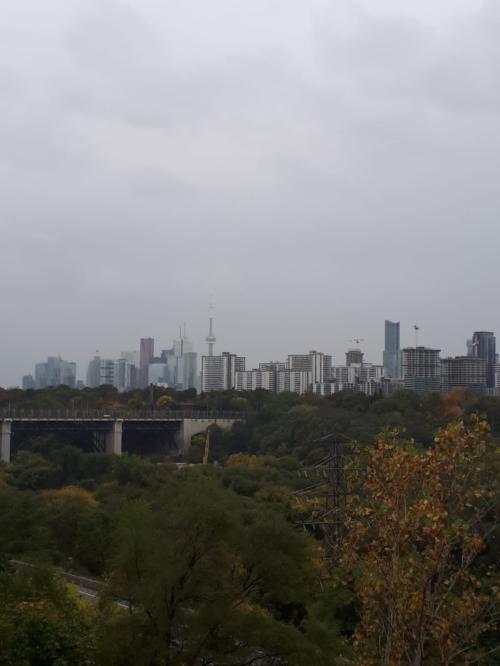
[(318, 167)]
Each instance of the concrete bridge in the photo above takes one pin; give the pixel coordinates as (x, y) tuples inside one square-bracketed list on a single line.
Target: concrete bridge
[(183, 425)]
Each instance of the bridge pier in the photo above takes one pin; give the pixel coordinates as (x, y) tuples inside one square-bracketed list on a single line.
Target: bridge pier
[(191, 427), (5, 437), (114, 438)]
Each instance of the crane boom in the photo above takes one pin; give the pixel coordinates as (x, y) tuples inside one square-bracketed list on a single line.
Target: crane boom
[(207, 447)]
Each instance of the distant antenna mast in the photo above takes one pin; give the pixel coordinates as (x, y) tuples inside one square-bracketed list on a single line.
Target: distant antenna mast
[(416, 329)]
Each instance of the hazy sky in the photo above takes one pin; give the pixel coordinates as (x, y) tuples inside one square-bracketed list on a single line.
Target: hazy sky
[(317, 165)]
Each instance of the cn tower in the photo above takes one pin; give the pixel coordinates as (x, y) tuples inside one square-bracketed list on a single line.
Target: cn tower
[(210, 339)]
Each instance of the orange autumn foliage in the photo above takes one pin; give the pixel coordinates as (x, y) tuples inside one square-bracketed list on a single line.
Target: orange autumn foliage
[(68, 494), (413, 532)]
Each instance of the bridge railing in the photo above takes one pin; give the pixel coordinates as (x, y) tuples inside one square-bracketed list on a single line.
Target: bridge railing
[(98, 414)]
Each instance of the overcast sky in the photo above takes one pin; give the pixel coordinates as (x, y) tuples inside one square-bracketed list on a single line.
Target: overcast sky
[(316, 165)]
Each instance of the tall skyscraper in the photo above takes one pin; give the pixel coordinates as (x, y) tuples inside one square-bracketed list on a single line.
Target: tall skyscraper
[(146, 355), (124, 374), (28, 382), (158, 372), (421, 369), (391, 360), (107, 372), (93, 372), (181, 362), (188, 370), (484, 346), (55, 372), (119, 373)]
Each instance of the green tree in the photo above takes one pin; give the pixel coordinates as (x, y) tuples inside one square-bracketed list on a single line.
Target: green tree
[(31, 471), (42, 623), (210, 581), (23, 531)]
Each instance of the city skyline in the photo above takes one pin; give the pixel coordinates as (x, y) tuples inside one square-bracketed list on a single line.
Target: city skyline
[(155, 349)]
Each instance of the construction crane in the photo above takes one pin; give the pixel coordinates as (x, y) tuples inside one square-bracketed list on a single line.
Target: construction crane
[(416, 328), (207, 447), (357, 340)]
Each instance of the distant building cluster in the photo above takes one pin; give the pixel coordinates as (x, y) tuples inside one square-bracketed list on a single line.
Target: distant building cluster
[(54, 372), (176, 367), (420, 369)]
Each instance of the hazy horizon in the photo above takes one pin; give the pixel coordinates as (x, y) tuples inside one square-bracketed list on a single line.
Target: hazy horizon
[(318, 168)]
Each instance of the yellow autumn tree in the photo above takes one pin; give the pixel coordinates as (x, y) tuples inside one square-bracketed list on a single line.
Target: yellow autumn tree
[(415, 528), (164, 402), (72, 495), (245, 460)]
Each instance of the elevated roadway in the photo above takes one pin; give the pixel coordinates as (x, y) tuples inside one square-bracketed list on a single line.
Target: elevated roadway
[(112, 426)]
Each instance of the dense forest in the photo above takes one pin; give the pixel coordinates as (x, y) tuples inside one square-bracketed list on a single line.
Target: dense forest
[(245, 560)]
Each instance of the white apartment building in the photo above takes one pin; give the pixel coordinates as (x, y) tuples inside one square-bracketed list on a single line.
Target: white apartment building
[(218, 373), (294, 381), (371, 387), (350, 374), (324, 388), (275, 366), (251, 380), (317, 363)]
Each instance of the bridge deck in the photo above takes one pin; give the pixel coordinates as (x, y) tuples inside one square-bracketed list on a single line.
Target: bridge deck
[(95, 416), (112, 425)]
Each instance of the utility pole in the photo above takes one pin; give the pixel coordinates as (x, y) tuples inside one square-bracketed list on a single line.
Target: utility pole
[(336, 497), (330, 523)]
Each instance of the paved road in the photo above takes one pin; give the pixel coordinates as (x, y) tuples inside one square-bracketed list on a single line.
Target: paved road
[(87, 588)]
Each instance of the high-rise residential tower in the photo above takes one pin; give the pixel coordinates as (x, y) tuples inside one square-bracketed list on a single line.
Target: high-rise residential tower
[(421, 369), (354, 357), (319, 365), (463, 372), (484, 346), (218, 373), (391, 360)]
